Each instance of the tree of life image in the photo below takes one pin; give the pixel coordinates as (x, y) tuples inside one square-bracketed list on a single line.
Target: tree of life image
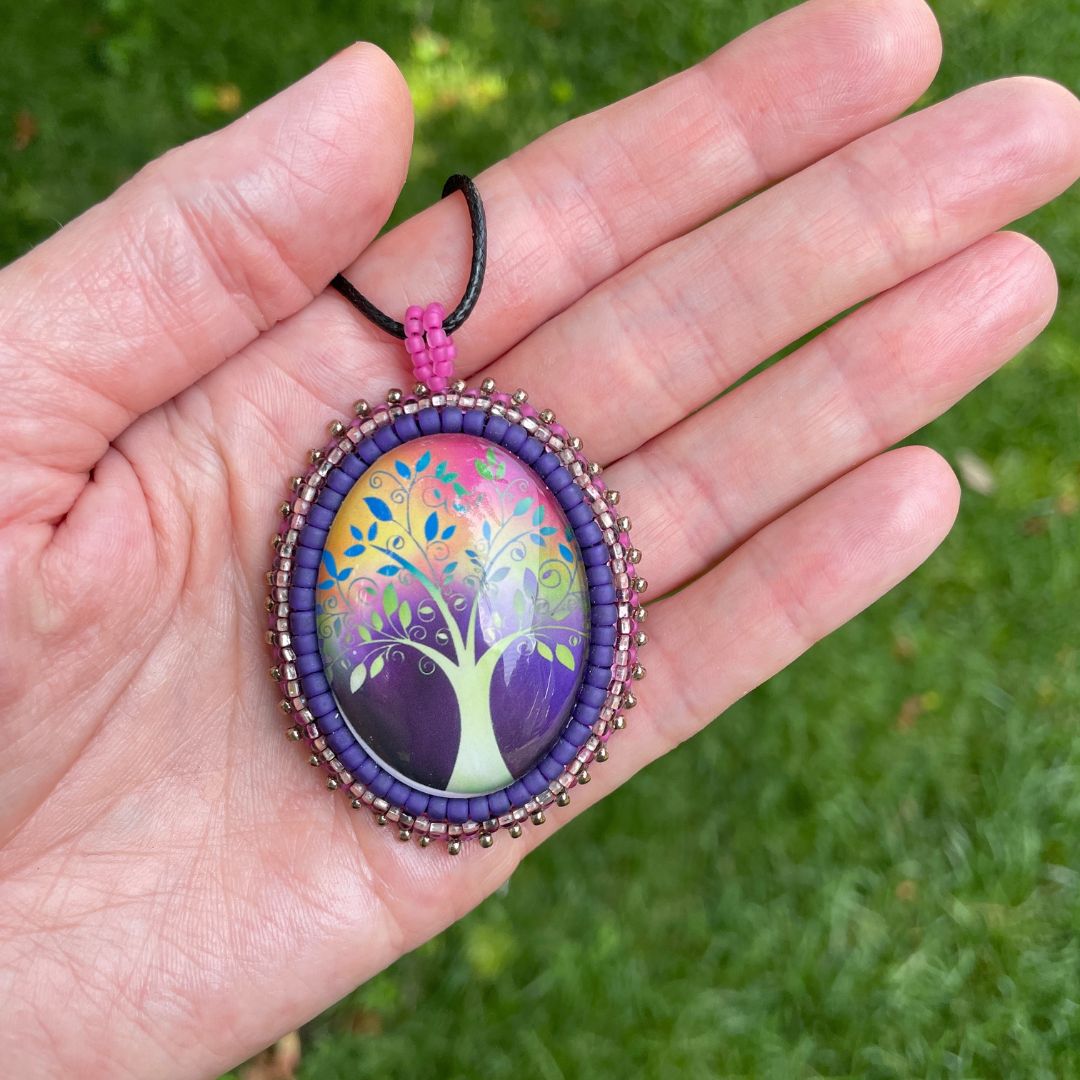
[(453, 614)]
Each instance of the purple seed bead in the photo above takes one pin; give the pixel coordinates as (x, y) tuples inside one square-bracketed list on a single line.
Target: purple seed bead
[(478, 808), (570, 498), (321, 705), (604, 635), (332, 722), (398, 794), (531, 451), (306, 644), (598, 575), (457, 810), (320, 517), (386, 438), (308, 557), (601, 595), (368, 452), (603, 614), (559, 479), (452, 419), (535, 781), (302, 622), (581, 514), (602, 655), (437, 808), (366, 771), (354, 759), (382, 784), (341, 479), (596, 555), (564, 752), (547, 464), (498, 803), (576, 732), (416, 804), (407, 428), (330, 498), (314, 684), (304, 577), (339, 741), (550, 769), (592, 695), (514, 438), (586, 714), (429, 421), (310, 537), (518, 793), (474, 422), (589, 535), (496, 428), (597, 676)]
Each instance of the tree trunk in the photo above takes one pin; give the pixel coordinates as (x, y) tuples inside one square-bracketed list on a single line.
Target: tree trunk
[(479, 766)]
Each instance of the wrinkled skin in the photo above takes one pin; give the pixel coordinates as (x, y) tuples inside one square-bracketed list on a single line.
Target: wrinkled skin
[(177, 886)]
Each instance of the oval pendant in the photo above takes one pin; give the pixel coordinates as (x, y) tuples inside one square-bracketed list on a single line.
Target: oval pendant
[(454, 613)]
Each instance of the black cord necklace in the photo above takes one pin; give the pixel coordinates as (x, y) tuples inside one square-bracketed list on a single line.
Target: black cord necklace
[(454, 601)]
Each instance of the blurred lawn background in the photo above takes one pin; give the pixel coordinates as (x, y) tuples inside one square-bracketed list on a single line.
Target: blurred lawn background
[(886, 880)]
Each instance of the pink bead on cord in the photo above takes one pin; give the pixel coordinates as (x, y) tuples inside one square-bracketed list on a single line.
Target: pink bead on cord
[(429, 346)]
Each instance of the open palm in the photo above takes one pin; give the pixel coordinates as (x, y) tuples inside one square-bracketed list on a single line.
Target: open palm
[(176, 890)]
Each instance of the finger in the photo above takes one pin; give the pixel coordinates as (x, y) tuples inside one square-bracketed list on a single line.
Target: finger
[(793, 583), (688, 319), (199, 253), (590, 197), (894, 365)]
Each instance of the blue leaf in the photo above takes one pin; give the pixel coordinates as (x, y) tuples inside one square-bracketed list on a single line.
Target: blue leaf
[(539, 515), (372, 531), (522, 507), (424, 461), (389, 571), (431, 526), (330, 564), (326, 584), (403, 470), (355, 549), (500, 574), (378, 508), (566, 553), (471, 554), (345, 573), (486, 530), (449, 568), (356, 532), (449, 531), (548, 530), (537, 539)]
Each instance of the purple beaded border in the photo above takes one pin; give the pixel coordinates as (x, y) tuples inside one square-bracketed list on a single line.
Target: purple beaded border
[(615, 614)]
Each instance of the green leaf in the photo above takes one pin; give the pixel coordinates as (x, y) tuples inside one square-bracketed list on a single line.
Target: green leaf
[(405, 614), (376, 620), (544, 651), (364, 632), (389, 600), (522, 507), (484, 470), (377, 665), (356, 679), (564, 656)]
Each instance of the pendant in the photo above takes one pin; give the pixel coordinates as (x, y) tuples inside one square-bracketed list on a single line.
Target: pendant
[(454, 612)]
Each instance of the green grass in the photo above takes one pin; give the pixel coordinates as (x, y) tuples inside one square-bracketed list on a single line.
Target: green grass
[(886, 881)]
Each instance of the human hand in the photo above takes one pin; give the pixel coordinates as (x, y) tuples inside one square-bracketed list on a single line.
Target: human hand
[(175, 890)]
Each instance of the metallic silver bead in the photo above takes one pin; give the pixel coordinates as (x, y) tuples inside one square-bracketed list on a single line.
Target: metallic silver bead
[(640, 614), (563, 798), (454, 847), (316, 456), (613, 496), (619, 722), (356, 804), (519, 397), (486, 840), (575, 442), (515, 831), (584, 776), (637, 672), (640, 585), (425, 840), (296, 483), (331, 784), (633, 556), (487, 386), (361, 407), (546, 416), (623, 523), (275, 673), (293, 734), (285, 509), (594, 468), (539, 817), (641, 638), (285, 705), (629, 701), (268, 603), (421, 389), (457, 386), (381, 820), (404, 835), (602, 754), (314, 760), (336, 428), (393, 396)]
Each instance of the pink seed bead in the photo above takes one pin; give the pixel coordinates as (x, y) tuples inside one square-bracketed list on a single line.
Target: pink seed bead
[(437, 384), (414, 343), (444, 368), (423, 372), (437, 336), (414, 326), (433, 316), (451, 351), (414, 311)]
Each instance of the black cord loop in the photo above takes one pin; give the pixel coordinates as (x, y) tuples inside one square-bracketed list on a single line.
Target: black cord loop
[(478, 224)]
